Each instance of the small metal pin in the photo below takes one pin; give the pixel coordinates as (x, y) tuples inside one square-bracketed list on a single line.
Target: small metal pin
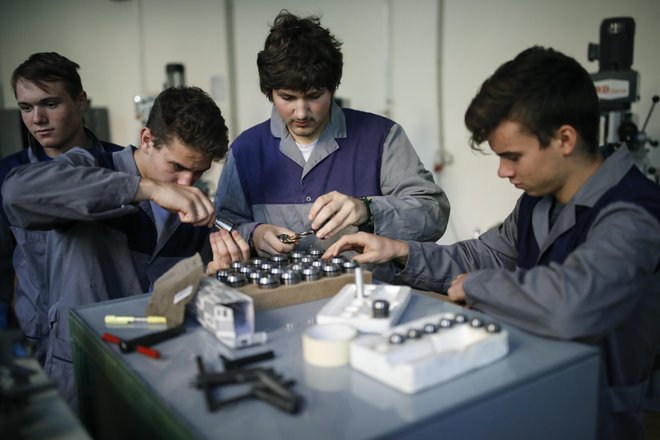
[(359, 282), (222, 224)]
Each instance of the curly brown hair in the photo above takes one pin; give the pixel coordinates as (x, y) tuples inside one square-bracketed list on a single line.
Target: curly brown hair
[(299, 55)]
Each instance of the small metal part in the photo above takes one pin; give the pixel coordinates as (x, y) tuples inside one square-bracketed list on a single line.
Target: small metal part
[(430, 328), (310, 273), (223, 224), (290, 277), (330, 270), (359, 289), (293, 239), (277, 271), (236, 280), (257, 261), (236, 265), (222, 274), (267, 266), (287, 239), (297, 256), (298, 267), (280, 259), (460, 318), (338, 260), (492, 327), (268, 281), (317, 263), (476, 323), (307, 260), (246, 270), (316, 252), (414, 333), (380, 308), (446, 323), (255, 275), (397, 339), (348, 266)]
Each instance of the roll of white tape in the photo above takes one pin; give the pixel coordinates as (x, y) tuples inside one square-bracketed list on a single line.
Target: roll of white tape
[(326, 345)]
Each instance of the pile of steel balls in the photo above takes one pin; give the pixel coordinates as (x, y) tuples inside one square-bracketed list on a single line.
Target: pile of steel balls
[(444, 323), (285, 269)]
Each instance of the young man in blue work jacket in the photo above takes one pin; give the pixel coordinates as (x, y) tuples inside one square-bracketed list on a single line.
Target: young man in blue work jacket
[(51, 99), (116, 222), (316, 166), (578, 257)]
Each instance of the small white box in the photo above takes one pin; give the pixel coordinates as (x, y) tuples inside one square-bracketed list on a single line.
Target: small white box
[(225, 312)]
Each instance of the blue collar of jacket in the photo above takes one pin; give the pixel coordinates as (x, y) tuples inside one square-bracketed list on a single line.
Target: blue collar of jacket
[(36, 152), (124, 160)]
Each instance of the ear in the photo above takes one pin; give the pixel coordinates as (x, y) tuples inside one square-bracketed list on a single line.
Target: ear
[(567, 137), (146, 140), (81, 102)]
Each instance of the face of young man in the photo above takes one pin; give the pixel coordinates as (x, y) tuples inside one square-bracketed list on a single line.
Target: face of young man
[(305, 113), (537, 171), (52, 116), (173, 162)]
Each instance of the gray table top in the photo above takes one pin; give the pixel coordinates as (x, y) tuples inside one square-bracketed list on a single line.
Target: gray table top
[(339, 402)]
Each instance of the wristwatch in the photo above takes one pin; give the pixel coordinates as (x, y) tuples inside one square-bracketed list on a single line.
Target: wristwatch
[(370, 216)]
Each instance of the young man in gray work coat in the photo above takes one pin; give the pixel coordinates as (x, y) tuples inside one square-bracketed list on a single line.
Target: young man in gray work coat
[(578, 258), (316, 166), (116, 222), (52, 102)]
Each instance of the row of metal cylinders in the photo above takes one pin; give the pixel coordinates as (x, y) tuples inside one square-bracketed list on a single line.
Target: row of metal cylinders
[(285, 269)]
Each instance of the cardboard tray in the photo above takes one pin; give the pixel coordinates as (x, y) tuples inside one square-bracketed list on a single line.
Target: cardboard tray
[(305, 291)]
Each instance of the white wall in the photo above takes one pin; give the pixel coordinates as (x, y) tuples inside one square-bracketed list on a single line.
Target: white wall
[(439, 53), (478, 36)]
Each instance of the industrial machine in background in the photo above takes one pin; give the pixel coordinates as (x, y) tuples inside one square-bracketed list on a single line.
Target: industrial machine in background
[(175, 74), (617, 87)]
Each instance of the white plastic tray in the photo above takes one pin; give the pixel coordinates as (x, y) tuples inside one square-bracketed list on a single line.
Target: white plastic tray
[(346, 308), (420, 363)]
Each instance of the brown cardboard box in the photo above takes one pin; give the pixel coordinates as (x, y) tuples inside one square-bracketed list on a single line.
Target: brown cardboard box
[(305, 291)]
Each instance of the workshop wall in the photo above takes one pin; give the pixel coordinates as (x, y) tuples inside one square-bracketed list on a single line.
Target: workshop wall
[(477, 37), (418, 62)]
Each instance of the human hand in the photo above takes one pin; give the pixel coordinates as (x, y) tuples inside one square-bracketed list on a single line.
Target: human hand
[(455, 291), (266, 242), (189, 202), (227, 248), (335, 211), (372, 248)]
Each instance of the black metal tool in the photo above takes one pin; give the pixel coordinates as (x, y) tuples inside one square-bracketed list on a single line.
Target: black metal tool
[(150, 339), (227, 377), (266, 385), (234, 364)]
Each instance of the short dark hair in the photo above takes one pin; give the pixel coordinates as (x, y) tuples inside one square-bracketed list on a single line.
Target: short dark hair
[(191, 116), (541, 89), (44, 67), (299, 55)]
